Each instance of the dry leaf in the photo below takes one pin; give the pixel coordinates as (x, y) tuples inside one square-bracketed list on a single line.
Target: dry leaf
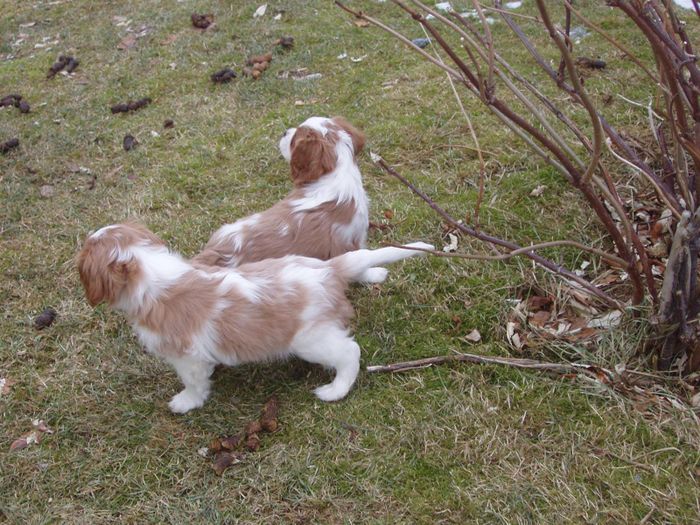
[(120, 20), (607, 278), (660, 249), (473, 337), (512, 336), (540, 318), (537, 302), (127, 42), (539, 190), (608, 320), (452, 247), (306, 102), (360, 22), (388, 214)]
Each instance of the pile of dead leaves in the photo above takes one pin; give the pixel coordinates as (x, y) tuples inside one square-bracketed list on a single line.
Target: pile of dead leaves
[(228, 450), (653, 225), (538, 318)]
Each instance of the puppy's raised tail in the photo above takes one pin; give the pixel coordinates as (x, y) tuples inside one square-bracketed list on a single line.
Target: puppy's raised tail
[(364, 265)]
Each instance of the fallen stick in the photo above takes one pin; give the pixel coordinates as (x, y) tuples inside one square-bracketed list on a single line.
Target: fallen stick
[(531, 364)]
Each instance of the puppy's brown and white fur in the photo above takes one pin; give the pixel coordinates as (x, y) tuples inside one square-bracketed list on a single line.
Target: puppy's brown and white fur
[(325, 215), (196, 318)]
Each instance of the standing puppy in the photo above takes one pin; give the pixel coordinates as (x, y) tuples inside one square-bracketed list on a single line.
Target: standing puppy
[(325, 214), (197, 318)]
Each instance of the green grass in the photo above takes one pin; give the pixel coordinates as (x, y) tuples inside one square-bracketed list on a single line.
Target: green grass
[(456, 444)]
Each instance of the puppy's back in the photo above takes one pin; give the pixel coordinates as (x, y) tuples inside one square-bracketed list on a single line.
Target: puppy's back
[(322, 233)]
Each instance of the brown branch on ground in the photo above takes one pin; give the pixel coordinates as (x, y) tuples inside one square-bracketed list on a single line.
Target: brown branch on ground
[(598, 373)]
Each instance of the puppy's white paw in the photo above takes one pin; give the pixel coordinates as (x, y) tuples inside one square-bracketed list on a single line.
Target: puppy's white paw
[(421, 245), (186, 401), (374, 275), (330, 392)]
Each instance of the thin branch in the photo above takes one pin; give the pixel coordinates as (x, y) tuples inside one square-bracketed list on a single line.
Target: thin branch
[(489, 42), (612, 259), (554, 135), (544, 263), (494, 101), (675, 212), (511, 13), (583, 95), (609, 130), (668, 195)]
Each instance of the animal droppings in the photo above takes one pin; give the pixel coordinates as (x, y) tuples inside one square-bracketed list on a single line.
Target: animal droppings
[(202, 21), (45, 318), (130, 106), (223, 76)]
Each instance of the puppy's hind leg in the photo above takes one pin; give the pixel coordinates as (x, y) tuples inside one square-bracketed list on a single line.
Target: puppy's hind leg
[(194, 374), (332, 347)]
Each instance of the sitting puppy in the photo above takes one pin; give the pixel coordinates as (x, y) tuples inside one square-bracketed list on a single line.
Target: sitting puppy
[(195, 318), (325, 214)]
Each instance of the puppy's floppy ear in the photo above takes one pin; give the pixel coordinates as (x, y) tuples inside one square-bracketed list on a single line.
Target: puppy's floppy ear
[(103, 278), (313, 155), (358, 138)]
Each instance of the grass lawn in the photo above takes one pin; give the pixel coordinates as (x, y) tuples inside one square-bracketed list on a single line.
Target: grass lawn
[(456, 444)]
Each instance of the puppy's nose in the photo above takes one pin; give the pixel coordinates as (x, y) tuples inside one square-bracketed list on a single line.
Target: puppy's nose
[(284, 133)]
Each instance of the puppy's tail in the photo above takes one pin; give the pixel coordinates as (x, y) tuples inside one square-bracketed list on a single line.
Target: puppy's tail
[(363, 265)]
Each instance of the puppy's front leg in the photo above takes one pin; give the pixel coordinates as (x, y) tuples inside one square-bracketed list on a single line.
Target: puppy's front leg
[(194, 374)]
